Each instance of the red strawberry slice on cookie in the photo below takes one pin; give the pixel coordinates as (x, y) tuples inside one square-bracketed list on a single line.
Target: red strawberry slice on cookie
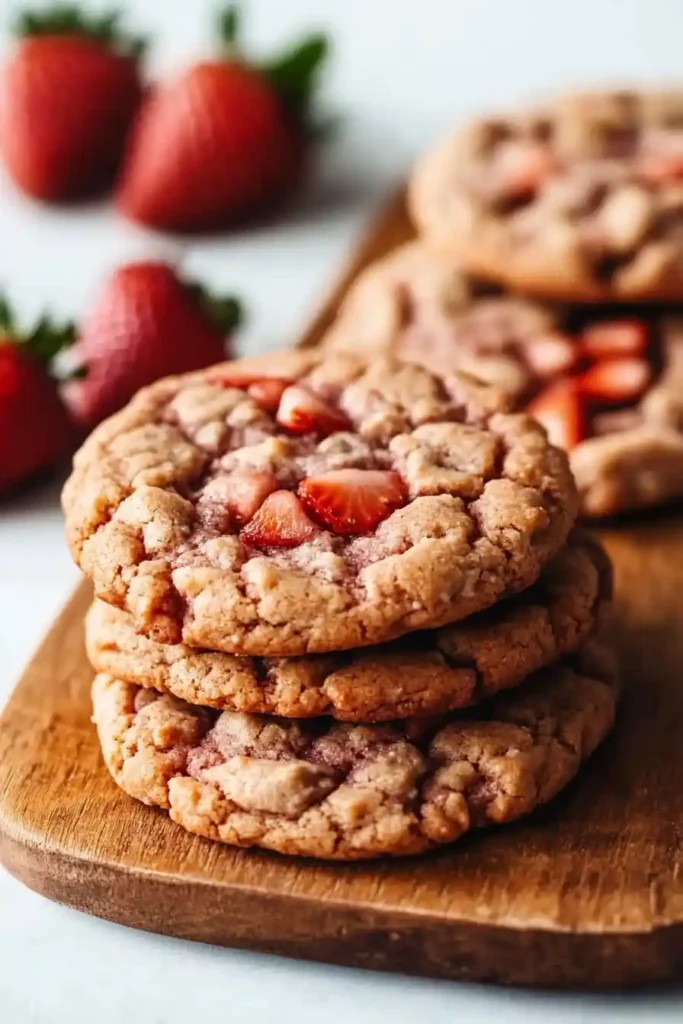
[(353, 501), (615, 380), (280, 522), (302, 412), (267, 391), (523, 167), (559, 408), (609, 339), (247, 490), (550, 354)]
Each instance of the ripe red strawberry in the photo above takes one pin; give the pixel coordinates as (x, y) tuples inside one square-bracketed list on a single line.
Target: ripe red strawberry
[(35, 428), (351, 501), (224, 141), (281, 522), (615, 380), (559, 408), (68, 95), (302, 412), (608, 339), (147, 323)]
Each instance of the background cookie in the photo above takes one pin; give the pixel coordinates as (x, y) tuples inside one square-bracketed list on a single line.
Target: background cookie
[(339, 505), (607, 384), (354, 791), (580, 200), (423, 673)]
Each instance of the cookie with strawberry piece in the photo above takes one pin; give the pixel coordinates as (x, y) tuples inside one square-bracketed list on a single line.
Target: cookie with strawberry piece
[(68, 95), (578, 200), (345, 791), (605, 383), (423, 673), (409, 501)]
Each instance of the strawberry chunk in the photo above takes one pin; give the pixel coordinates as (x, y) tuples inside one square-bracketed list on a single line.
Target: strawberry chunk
[(550, 354), (247, 490), (302, 412), (609, 339), (615, 380), (280, 522), (659, 168), (352, 501), (559, 408), (268, 392), (523, 167)]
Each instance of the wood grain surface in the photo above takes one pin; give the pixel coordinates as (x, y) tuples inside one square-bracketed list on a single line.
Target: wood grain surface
[(587, 892)]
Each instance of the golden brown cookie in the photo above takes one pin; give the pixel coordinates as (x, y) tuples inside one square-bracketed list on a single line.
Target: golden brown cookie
[(325, 789), (420, 674), (606, 384), (295, 504), (580, 200)]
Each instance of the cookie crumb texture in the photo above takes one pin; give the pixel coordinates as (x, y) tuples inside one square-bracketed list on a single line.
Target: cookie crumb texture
[(606, 384), (580, 200), (421, 674), (355, 791), (288, 505)]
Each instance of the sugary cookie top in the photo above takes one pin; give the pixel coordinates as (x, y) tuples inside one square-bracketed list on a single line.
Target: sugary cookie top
[(582, 198), (244, 507)]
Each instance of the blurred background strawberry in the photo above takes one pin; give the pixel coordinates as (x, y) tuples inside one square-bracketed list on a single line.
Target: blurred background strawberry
[(146, 323), (68, 94), (226, 140), (35, 428)]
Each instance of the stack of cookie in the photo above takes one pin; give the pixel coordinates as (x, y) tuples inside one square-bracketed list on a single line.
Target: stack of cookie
[(314, 578), (550, 239)]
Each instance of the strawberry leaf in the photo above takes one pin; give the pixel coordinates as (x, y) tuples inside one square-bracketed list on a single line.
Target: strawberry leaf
[(229, 24), (69, 19), (45, 341), (225, 312), (295, 74)]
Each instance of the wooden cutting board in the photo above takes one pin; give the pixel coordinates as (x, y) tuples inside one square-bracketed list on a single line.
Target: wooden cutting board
[(589, 891)]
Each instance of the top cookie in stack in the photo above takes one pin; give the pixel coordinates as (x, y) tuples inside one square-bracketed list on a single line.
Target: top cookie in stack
[(580, 200), (303, 504)]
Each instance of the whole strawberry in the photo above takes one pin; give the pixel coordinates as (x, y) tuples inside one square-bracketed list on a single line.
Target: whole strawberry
[(68, 95), (146, 324), (35, 428), (224, 142)]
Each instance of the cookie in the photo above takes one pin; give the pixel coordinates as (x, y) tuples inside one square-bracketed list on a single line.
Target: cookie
[(420, 674), (579, 200), (340, 791), (290, 505), (606, 384)]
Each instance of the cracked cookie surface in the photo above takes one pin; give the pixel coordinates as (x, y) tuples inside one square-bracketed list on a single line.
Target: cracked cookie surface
[(580, 200), (339, 791), (606, 383), (293, 504), (421, 674)]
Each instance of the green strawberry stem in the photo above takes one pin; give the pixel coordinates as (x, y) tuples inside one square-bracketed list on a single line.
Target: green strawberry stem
[(225, 312), (44, 342), (69, 19), (294, 73)]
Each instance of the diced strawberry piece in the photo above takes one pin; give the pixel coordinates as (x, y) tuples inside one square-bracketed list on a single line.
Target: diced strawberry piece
[(242, 379), (609, 339), (523, 167), (660, 168), (247, 490), (559, 408), (302, 412), (615, 380), (268, 392), (280, 522), (351, 501), (550, 354)]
